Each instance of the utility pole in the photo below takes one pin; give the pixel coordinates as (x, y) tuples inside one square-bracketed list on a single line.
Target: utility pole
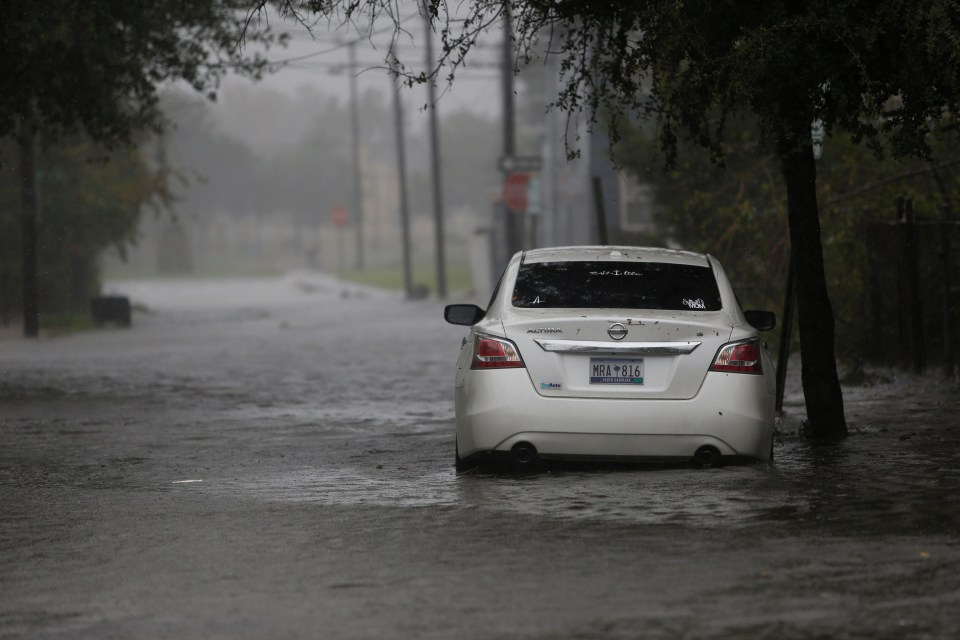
[(435, 162), (355, 143), (402, 176), (513, 222), (29, 207), (509, 129)]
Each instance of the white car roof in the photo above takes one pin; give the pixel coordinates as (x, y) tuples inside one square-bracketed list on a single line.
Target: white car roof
[(615, 253)]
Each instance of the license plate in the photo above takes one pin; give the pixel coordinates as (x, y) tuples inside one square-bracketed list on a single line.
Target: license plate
[(616, 371)]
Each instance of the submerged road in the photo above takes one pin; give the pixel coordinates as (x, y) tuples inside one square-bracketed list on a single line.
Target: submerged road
[(270, 459)]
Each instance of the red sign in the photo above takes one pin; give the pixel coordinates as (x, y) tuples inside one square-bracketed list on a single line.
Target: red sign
[(339, 216), (515, 192)]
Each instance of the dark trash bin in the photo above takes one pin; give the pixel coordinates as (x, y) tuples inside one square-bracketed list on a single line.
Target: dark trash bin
[(110, 310)]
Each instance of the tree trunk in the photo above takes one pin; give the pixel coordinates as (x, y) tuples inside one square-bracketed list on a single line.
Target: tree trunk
[(821, 384)]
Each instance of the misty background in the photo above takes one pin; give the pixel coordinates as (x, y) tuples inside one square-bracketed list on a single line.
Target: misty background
[(257, 175)]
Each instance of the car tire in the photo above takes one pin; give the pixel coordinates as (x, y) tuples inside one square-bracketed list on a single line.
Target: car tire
[(708, 457)]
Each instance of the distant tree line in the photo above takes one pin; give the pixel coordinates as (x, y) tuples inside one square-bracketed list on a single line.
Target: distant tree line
[(81, 79)]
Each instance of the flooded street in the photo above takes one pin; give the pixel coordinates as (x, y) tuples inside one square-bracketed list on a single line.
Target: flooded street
[(274, 459)]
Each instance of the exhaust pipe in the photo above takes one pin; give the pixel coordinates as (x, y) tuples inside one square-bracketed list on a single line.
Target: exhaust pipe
[(707, 457)]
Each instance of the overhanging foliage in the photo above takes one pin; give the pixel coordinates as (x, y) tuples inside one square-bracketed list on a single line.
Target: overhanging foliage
[(95, 66)]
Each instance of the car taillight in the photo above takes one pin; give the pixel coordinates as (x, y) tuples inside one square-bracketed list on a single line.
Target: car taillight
[(738, 357), (495, 353)]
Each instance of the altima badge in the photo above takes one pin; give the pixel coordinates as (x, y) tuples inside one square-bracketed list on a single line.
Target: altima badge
[(617, 331), (545, 330)]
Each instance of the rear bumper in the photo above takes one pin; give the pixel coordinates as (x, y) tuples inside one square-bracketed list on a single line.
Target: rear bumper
[(732, 412)]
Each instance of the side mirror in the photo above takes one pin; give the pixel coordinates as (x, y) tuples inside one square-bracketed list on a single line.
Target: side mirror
[(465, 314), (761, 320)]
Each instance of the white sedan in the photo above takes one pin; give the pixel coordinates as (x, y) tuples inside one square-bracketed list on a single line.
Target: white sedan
[(613, 353)]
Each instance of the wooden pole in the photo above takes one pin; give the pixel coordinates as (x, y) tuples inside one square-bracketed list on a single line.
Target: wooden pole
[(402, 178), (435, 174), (600, 211)]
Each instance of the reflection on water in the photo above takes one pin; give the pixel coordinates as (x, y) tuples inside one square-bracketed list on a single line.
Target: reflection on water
[(870, 484), (348, 486), (849, 488), (692, 497), (699, 498)]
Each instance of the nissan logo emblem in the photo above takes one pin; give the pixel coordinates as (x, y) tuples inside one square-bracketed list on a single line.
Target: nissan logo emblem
[(617, 331)]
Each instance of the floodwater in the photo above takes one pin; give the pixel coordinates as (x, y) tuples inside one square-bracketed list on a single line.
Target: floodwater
[(273, 458)]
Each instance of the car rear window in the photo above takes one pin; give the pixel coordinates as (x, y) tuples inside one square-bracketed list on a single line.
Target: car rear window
[(616, 285)]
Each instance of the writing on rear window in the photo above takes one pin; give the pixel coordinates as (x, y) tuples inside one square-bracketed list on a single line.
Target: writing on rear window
[(612, 285), (615, 272)]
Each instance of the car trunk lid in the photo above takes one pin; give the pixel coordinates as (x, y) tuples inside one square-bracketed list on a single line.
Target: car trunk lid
[(644, 354)]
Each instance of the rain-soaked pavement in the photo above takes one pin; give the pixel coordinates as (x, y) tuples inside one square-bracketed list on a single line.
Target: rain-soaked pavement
[(269, 459)]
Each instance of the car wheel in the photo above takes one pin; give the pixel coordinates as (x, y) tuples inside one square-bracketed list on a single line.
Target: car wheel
[(707, 457), (524, 458)]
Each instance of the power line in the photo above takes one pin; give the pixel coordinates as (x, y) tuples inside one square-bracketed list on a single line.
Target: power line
[(342, 44), (382, 64)]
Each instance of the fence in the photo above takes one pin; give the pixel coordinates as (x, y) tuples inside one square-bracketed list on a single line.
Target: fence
[(912, 289)]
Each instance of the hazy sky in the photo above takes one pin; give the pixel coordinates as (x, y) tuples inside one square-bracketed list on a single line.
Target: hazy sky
[(319, 63)]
